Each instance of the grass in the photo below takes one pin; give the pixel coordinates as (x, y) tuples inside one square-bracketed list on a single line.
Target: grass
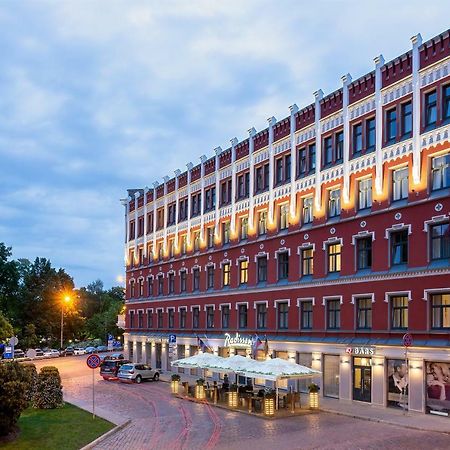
[(65, 428)]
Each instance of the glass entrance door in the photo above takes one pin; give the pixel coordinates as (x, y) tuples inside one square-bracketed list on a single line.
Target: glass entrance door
[(362, 379)]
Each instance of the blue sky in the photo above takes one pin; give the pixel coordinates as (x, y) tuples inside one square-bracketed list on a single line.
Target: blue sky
[(100, 96)]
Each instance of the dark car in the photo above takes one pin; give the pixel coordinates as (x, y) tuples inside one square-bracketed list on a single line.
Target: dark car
[(115, 356), (110, 367), (102, 348), (67, 352)]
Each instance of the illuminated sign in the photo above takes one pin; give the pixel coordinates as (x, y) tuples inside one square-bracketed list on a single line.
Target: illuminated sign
[(360, 351), (237, 341)]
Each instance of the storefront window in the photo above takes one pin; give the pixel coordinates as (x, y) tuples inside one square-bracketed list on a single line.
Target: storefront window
[(304, 359), (437, 385), (362, 379), (397, 376), (331, 376), (180, 355)]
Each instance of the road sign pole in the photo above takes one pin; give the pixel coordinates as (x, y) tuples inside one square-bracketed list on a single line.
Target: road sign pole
[(93, 394)]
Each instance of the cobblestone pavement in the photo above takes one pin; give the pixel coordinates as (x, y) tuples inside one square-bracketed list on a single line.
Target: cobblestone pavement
[(160, 421)]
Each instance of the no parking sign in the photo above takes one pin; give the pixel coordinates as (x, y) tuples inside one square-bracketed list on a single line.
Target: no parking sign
[(93, 361)]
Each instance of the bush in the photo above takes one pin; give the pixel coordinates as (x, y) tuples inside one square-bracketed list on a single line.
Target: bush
[(313, 388), (32, 375), (49, 390), (13, 397), (176, 377)]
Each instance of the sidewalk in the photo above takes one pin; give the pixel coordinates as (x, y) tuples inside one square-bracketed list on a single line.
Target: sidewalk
[(413, 420)]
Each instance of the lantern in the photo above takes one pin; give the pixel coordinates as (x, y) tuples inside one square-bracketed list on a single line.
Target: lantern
[(269, 406), (233, 399)]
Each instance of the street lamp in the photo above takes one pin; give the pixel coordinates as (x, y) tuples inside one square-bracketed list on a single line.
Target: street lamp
[(66, 300)]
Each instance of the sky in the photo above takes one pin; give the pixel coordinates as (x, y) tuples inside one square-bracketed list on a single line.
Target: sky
[(97, 97)]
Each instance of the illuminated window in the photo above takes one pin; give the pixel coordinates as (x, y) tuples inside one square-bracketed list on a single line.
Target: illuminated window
[(210, 237), (307, 210), (244, 228), (284, 216), (334, 258), (243, 271), (196, 241), (183, 244), (307, 255), (226, 274), (262, 223), (334, 203), (440, 311), (399, 312)]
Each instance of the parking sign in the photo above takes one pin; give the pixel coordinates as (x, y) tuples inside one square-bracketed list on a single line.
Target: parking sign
[(172, 338)]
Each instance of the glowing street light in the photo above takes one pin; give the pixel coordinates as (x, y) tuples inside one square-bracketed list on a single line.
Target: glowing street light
[(66, 300)]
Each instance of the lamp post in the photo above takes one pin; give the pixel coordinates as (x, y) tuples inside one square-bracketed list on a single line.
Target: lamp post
[(66, 300)]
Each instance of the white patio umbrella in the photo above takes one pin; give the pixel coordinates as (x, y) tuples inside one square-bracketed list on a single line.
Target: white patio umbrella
[(277, 368), (200, 360)]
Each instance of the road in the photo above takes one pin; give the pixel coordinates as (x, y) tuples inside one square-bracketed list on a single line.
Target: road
[(160, 421)]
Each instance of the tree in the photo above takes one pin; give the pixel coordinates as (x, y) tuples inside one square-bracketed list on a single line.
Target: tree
[(6, 329), (9, 280)]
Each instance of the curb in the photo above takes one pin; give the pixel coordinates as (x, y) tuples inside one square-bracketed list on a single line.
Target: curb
[(384, 421), (106, 435)]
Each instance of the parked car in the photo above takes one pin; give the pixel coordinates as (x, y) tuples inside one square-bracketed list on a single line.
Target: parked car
[(19, 353), (110, 367), (115, 356), (102, 348), (39, 352), (137, 372), (79, 351), (90, 350), (69, 351), (52, 353)]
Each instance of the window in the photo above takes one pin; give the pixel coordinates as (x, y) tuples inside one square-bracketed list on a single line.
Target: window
[(196, 279), (132, 231), (210, 277), (242, 316), (301, 170), (446, 103), (399, 312), (430, 110), (328, 150), (400, 184), (226, 275), (261, 316), (283, 265), (225, 316), (364, 313), (440, 172), (171, 283), (283, 314), (364, 253), (210, 199), (312, 157), (440, 311), (262, 223), (334, 258), (183, 277), (160, 318), (440, 241), (209, 317), (161, 251), (357, 138), (262, 269), (333, 314), (243, 271), (370, 134), (266, 176), (406, 119), (334, 203), (339, 146), (141, 287), (150, 286), (183, 318), (226, 232), (307, 210), (171, 318), (399, 247), (259, 179), (306, 310), (149, 318), (196, 241), (210, 237), (287, 168), (195, 317), (244, 228), (160, 285), (140, 319), (307, 255), (279, 171), (243, 185), (132, 289), (183, 244), (284, 216), (131, 319), (171, 248), (391, 125), (365, 193)]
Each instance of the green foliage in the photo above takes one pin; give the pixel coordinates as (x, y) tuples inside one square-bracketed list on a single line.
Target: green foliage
[(6, 329), (9, 279), (49, 390), (32, 377), (13, 395), (176, 377), (200, 382), (313, 387)]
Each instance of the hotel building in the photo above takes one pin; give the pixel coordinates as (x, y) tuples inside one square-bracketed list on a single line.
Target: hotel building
[(327, 232)]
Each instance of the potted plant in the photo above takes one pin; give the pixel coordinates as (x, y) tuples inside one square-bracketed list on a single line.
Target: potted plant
[(313, 390), (175, 383), (269, 402), (200, 389)]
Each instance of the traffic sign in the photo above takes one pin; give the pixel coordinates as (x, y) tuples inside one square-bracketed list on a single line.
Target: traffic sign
[(407, 340), (172, 338), (93, 361), (8, 353)]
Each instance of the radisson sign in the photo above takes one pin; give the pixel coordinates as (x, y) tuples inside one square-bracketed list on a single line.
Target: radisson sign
[(237, 341)]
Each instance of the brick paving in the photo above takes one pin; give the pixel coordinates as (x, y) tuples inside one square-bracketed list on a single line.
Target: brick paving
[(160, 421)]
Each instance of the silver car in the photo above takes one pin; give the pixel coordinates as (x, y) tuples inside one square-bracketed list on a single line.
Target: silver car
[(137, 372)]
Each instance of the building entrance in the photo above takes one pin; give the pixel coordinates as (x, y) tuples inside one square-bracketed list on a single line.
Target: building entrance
[(362, 379)]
